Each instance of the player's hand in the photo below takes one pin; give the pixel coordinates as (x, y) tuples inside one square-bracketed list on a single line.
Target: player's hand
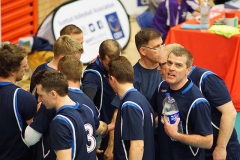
[(39, 105), (108, 154), (111, 126), (171, 129), (219, 153)]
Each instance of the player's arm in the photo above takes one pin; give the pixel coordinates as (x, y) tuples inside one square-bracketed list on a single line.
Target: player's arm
[(136, 150), (31, 136), (102, 129), (108, 154), (90, 92), (30, 120), (194, 140), (226, 127), (65, 154), (156, 121)]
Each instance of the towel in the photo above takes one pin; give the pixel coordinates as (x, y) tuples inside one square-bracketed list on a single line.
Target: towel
[(224, 30), (192, 26)]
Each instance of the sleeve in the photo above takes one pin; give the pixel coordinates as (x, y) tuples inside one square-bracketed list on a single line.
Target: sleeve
[(60, 135), (42, 119), (27, 104), (90, 92), (116, 101), (201, 118), (31, 136), (91, 80), (132, 122), (215, 90)]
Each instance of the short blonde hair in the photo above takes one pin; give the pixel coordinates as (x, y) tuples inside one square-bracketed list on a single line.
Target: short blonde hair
[(67, 45)]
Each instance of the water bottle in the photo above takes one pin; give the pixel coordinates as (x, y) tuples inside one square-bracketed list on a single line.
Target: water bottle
[(171, 111), (205, 14), (98, 141)]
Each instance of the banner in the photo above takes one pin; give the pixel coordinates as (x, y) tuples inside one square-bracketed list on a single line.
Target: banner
[(99, 20)]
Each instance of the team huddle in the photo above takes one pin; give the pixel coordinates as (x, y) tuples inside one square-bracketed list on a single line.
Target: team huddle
[(113, 110)]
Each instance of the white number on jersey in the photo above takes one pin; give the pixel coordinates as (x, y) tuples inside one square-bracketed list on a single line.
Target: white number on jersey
[(92, 141)]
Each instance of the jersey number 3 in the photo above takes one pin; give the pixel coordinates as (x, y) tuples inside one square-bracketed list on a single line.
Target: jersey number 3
[(91, 140)]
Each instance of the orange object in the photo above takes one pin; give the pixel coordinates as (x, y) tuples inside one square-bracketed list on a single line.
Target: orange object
[(19, 19), (214, 52), (229, 14)]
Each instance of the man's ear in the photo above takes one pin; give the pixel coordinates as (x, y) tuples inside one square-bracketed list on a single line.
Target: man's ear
[(53, 94), (12, 73), (142, 51), (112, 78), (189, 70)]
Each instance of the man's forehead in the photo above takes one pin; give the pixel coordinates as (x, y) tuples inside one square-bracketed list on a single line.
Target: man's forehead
[(180, 59)]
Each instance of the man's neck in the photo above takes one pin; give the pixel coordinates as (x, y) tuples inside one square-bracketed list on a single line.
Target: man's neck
[(62, 101), (147, 64), (178, 86), (54, 63), (8, 79), (123, 88), (74, 84)]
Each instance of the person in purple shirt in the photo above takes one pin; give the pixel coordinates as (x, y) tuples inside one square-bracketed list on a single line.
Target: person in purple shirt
[(171, 13)]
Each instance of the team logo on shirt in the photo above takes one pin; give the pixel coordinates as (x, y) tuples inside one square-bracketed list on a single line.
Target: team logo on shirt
[(114, 25), (163, 90)]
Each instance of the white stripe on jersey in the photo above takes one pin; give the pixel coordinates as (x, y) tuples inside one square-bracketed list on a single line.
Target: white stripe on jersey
[(168, 12), (74, 136), (198, 99), (15, 112)]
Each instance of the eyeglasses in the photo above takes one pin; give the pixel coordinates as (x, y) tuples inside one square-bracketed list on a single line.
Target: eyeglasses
[(156, 48), (162, 64)]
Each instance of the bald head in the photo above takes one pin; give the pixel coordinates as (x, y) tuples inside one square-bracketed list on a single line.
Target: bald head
[(170, 47), (167, 49), (110, 48)]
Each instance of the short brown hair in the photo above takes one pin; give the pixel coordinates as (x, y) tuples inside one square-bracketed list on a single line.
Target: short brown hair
[(180, 51), (121, 68), (52, 80), (67, 45), (71, 67), (110, 48), (11, 56), (70, 29), (144, 36)]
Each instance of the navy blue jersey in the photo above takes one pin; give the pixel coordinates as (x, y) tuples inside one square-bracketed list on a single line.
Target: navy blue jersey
[(39, 68), (67, 130), (135, 121), (96, 77), (42, 122), (146, 80), (215, 91), (195, 115), (16, 107), (77, 95)]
